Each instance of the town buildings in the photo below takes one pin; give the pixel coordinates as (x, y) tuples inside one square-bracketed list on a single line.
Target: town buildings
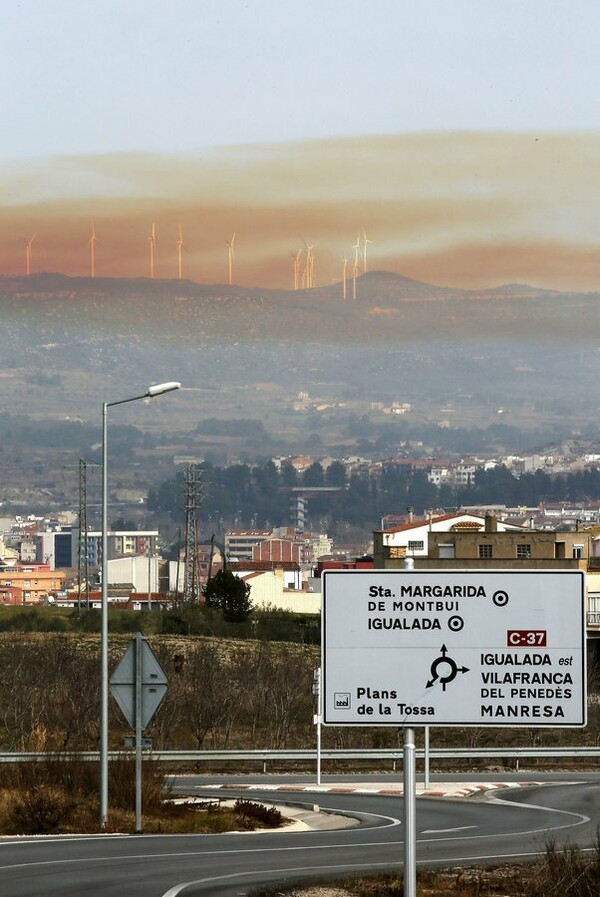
[(413, 538), (22, 584), (464, 542)]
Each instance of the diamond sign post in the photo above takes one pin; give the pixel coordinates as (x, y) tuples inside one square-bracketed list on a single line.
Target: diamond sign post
[(138, 685)]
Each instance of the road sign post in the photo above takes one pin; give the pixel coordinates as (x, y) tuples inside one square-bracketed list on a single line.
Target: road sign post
[(452, 648), (138, 685), (318, 717)]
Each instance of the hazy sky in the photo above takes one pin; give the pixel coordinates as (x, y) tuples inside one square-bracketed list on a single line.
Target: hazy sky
[(175, 75), (317, 118)]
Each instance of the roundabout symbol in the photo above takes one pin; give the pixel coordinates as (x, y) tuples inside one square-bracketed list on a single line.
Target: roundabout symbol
[(455, 624), (500, 598), (444, 669)]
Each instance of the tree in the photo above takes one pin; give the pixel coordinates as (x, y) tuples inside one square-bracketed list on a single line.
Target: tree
[(288, 475), (335, 475), (313, 475), (229, 594), (121, 525)]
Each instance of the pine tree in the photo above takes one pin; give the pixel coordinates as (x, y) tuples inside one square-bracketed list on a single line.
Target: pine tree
[(228, 593)]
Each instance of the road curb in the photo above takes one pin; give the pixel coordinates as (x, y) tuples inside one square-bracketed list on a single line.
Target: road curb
[(442, 789)]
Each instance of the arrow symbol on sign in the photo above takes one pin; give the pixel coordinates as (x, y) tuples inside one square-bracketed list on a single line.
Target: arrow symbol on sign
[(452, 669)]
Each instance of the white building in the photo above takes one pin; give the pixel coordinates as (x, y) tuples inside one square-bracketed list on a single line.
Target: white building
[(146, 574), (267, 591), (411, 540)]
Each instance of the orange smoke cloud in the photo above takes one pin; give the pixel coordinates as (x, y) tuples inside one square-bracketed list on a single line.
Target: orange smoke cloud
[(467, 210)]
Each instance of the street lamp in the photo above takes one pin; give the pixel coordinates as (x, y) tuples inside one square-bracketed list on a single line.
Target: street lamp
[(152, 391)]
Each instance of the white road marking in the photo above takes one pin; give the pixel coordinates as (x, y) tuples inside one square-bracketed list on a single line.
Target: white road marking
[(443, 831)]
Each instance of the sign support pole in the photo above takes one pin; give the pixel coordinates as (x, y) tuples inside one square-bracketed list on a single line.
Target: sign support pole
[(410, 816), (138, 685), (389, 659), (138, 731), (426, 756), (318, 718), (319, 750)]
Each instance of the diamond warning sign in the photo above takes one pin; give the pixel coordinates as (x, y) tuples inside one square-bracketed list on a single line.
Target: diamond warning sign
[(480, 648)]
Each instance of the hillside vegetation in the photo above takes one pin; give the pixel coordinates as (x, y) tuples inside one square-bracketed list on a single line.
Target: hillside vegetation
[(388, 308), (222, 693)]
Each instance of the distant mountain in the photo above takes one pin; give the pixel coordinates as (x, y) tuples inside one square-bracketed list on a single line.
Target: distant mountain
[(388, 308), (516, 289), (379, 285), (460, 357)]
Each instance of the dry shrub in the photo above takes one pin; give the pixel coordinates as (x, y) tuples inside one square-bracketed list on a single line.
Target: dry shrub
[(121, 785), (62, 794), (74, 776), (39, 811), (567, 872), (268, 816)]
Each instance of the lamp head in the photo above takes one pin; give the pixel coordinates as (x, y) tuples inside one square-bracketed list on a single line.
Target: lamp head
[(161, 388)]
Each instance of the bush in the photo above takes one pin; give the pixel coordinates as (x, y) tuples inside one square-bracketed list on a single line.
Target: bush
[(121, 785), (269, 816), (39, 811), (567, 871)]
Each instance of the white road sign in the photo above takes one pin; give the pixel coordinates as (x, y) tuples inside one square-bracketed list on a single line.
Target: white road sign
[(152, 682), (468, 648)]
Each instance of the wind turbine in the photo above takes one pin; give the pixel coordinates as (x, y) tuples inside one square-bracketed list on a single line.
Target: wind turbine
[(152, 242), (230, 245), (356, 249), (365, 241), (297, 262), (310, 264), (28, 245), (345, 260), (92, 245), (179, 251)]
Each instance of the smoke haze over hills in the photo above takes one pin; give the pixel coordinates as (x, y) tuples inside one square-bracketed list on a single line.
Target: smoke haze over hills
[(469, 210)]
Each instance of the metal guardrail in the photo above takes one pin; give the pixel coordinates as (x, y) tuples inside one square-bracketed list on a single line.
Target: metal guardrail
[(310, 754)]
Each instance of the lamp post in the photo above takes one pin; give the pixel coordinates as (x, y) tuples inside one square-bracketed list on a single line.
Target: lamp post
[(152, 391)]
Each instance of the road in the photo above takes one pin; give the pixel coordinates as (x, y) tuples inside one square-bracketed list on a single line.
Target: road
[(449, 831)]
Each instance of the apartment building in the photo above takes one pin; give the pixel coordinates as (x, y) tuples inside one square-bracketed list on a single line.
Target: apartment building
[(279, 544), (540, 548), (29, 585), (239, 544), (413, 539), (121, 543), (468, 546)]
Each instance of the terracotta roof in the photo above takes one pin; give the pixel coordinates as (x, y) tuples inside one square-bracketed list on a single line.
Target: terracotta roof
[(261, 566), (421, 521)]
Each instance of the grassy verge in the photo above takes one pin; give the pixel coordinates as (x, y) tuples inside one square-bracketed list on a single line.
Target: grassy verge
[(562, 872), (61, 797)]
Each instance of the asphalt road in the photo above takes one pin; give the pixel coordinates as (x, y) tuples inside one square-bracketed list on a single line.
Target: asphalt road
[(448, 832)]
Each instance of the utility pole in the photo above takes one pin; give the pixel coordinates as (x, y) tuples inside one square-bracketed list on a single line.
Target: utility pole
[(191, 582)]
